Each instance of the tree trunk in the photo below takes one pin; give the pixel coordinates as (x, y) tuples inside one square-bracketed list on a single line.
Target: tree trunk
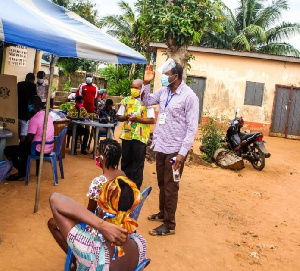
[(179, 54)]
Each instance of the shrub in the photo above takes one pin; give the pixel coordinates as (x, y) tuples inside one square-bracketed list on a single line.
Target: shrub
[(67, 86), (211, 134), (65, 107), (119, 78)]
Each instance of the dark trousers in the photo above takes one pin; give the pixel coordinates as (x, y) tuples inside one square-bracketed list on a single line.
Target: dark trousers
[(133, 159), (168, 189), (18, 155), (81, 131)]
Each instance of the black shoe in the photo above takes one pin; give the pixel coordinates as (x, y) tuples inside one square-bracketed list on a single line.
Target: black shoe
[(84, 152), (16, 177)]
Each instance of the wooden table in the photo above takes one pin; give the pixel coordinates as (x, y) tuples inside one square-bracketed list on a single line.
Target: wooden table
[(3, 135), (97, 126)]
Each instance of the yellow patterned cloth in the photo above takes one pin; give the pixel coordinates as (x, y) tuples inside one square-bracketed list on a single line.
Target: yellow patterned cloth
[(74, 112), (135, 130), (108, 201)]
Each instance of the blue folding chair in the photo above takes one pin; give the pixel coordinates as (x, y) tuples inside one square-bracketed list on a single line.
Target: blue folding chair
[(5, 168), (135, 215), (57, 154)]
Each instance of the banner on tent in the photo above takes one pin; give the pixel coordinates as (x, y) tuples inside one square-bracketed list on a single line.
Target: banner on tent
[(9, 106)]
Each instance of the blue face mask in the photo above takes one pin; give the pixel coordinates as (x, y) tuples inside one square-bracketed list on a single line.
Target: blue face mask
[(89, 80), (30, 107), (164, 80)]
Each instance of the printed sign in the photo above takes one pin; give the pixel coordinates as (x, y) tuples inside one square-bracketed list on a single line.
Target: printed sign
[(9, 106), (17, 55)]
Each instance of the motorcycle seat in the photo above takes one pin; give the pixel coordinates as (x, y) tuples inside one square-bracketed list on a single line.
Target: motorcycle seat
[(248, 136)]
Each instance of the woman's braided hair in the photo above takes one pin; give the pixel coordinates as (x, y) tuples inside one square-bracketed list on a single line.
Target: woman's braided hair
[(111, 150)]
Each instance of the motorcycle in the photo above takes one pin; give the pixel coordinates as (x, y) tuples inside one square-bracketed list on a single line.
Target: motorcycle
[(249, 146)]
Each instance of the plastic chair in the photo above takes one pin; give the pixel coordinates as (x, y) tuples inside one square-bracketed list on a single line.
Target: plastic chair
[(136, 211), (100, 135), (51, 158), (134, 214), (142, 265), (5, 168), (113, 131)]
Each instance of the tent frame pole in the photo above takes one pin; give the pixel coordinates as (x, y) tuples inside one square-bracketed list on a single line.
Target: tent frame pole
[(37, 195)]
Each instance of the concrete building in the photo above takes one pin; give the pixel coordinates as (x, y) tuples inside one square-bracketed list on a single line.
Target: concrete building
[(265, 87)]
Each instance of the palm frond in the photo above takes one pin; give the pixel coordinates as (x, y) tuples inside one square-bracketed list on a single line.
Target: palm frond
[(116, 23), (255, 33), (241, 43), (283, 31), (127, 11), (271, 14), (282, 49)]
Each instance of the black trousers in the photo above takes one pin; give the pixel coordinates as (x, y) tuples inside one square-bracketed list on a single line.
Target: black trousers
[(18, 155), (133, 159), (81, 131)]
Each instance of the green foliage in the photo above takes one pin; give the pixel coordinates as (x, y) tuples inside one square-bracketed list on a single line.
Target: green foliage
[(86, 10), (119, 78), (211, 135), (65, 107), (67, 86), (252, 27), (178, 22), (54, 88), (125, 28)]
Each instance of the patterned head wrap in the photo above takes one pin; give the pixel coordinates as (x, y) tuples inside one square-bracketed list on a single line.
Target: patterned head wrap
[(109, 200)]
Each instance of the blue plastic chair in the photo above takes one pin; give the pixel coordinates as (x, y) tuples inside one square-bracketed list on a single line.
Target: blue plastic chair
[(142, 265), (5, 168), (136, 211), (135, 215), (51, 158)]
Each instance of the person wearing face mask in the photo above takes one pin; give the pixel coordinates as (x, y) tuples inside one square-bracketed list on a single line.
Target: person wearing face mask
[(173, 136), (90, 94), (78, 112), (107, 160), (18, 154), (135, 133), (26, 90), (41, 87)]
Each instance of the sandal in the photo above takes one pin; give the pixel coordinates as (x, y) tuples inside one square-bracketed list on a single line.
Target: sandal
[(15, 177), (162, 230), (156, 217)]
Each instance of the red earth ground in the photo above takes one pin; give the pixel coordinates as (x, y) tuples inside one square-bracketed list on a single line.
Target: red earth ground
[(226, 220)]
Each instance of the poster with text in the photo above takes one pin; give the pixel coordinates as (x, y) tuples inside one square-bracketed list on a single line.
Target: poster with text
[(9, 106)]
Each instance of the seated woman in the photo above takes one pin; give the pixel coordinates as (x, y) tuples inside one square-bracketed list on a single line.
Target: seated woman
[(118, 197), (107, 159)]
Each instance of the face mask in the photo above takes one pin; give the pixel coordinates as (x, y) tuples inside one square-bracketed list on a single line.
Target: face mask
[(89, 80), (135, 92), (97, 162), (165, 80), (40, 81), (79, 105), (30, 107)]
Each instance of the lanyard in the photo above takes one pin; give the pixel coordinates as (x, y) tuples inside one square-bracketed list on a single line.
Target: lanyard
[(169, 99)]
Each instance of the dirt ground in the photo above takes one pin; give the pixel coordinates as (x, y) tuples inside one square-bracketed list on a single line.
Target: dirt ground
[(226, 220)]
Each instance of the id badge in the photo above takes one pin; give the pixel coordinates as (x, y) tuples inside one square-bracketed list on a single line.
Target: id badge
[(162, 118)]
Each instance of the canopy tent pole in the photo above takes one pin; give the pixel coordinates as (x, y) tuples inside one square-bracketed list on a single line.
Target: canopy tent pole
[(37, 195), (37, 62)]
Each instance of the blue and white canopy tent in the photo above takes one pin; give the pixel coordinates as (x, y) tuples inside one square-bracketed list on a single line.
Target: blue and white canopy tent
[(42, 25)]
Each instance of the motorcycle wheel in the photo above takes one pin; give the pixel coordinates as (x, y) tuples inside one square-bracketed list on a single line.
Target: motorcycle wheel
[(259, 158)]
